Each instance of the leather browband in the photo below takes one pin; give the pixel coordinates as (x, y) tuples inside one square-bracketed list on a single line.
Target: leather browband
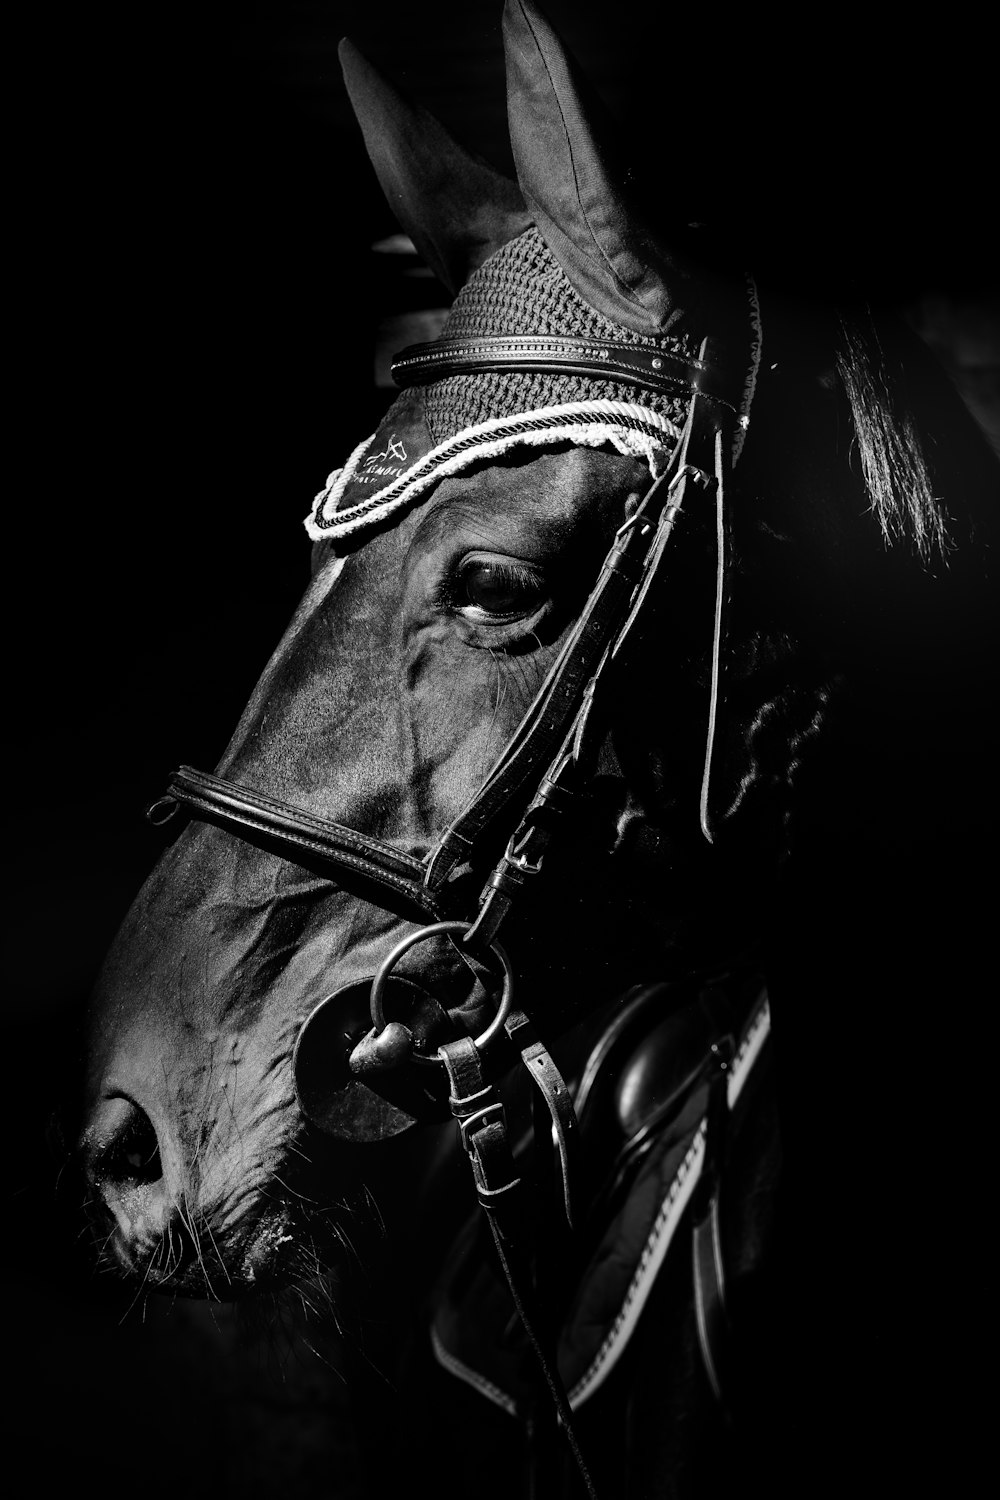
[(635, 364)]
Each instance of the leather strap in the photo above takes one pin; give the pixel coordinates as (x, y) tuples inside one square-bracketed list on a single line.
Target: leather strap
[(539, 732), (641, 365), (707, 1262), (477, 1107), (709, 1297), (564, 691), (560, 786), (559, 720), (556, 1096), (291, 828), (412, 885)]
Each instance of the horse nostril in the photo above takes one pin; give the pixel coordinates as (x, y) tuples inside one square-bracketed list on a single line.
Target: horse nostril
[(123, 1146), (131, 1206)]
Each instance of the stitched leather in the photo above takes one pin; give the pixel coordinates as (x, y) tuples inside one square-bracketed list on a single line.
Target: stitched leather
[(606, 618), (558, 1100), (251, 812), (539, 732), (416, 883), (605, 626), (642, 1100), (645, 366), (477, 1107)]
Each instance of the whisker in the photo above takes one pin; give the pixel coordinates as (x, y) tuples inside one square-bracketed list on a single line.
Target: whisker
[(128, 1310)]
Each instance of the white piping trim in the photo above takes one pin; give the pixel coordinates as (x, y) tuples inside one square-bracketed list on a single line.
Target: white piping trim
[(631, 429), (652, 1258), (471, 1377), (666, 1222), (744, 1061)]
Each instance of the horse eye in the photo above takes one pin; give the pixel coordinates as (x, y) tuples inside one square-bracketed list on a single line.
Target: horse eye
[(498, 587)]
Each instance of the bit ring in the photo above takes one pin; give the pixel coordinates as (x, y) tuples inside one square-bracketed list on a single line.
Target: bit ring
[(434, 930)]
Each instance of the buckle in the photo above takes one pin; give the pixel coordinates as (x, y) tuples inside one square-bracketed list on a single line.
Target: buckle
[(490, 1114)]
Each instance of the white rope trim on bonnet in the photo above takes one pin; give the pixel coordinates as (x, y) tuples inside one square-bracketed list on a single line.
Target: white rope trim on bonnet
[(631, 429)]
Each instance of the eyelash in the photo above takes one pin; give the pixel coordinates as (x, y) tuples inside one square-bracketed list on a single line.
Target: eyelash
[(507, 572)]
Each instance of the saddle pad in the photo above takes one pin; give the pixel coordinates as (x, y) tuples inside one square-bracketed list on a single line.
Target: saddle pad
[(474, 1335)]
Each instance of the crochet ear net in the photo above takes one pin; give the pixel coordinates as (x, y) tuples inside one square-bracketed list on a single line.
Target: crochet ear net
[(570, 170), (561, 254), (522, 289), (568, 275)]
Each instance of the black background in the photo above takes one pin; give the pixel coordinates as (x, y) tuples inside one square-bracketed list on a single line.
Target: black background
[(196, 307)]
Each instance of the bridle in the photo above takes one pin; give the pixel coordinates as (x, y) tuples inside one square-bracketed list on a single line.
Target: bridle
[(532, 793), (542, 776), (554, 731)]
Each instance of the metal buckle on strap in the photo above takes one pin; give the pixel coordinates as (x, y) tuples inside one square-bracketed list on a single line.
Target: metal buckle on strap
[(490, 1114)]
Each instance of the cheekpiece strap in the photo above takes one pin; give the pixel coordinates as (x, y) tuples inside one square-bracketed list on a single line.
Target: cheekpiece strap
[(649, 367)]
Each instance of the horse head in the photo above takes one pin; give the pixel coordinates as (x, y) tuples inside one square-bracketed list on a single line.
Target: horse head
[(627, 574)]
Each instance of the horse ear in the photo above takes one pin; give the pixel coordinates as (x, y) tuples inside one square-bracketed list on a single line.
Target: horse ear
[(455, 207), (562, 145)]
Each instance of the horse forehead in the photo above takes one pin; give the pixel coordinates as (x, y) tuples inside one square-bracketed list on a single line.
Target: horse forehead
[(551, 487)]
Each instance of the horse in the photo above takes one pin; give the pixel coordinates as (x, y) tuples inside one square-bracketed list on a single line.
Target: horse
[(616, 790)]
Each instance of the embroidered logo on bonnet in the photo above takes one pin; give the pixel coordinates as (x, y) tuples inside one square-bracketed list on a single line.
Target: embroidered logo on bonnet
[(388, 461)]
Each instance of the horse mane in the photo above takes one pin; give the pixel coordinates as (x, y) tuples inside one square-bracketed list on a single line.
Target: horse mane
[(916, 441)]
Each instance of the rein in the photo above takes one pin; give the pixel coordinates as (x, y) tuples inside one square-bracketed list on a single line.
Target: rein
[(536, 784)]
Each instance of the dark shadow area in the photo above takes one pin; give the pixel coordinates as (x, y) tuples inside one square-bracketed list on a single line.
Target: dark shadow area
[(200, 313)]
